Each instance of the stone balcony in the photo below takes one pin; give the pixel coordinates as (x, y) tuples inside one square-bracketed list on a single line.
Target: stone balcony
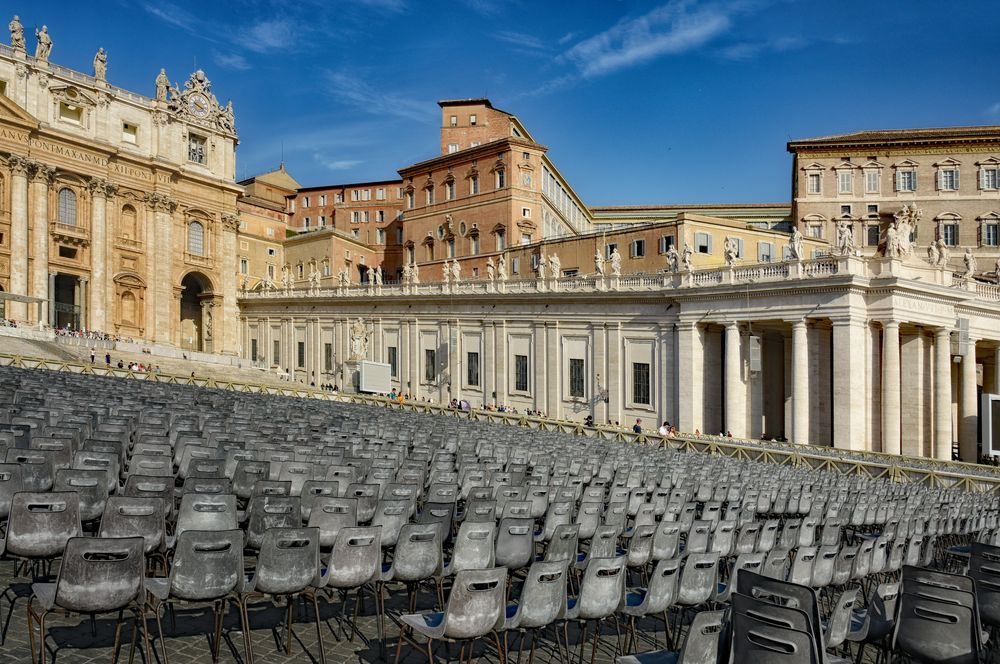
[(665, 282), (198, 261), (73, 234)]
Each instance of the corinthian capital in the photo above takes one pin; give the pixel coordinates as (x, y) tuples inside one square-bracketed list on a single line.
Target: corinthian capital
[(101, 187), (42, 172), (231, 222), (19, 165), (161, 202)]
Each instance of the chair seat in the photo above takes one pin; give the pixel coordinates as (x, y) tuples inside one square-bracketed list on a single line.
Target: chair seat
[(654, 657), (430, 624), (46, 594)]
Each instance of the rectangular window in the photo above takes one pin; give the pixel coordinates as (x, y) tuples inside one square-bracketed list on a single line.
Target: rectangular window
[(474, 144), (270, 271), (765, 252), (703, 243), (501, 179), (525, 238), (873, 181), (355, 195), (474, 185), (990, 238), (409, 200), (872, 235), (872, 210), (474, 245), (67, 252), (70, 113), (338, 197), (515, 265), (244, 266), (380, 194), (390, 355), (366, 194), (328, 358), (449, 191), (196, 149), (301, 354), (399, 235), (576, 377), (950, 234), (322, 220), (845, 210), (356, 233), (610, 249), (276, 358), (453, 121), (253, 350), (430, 365), (322, 200), (665, 243), (307, 222), (271, 251), (452, 148), (948, 179), (816, 230), (380, 236), (988, 178), (501, 241), (640, 382), (430, 195), (815, 183), (845, 182), (472, 369), (380, 216), (305, 201), (130, 133), (521, 373), (526, 213), (906, 180), (365, 216), (638, 248), (472, 119)]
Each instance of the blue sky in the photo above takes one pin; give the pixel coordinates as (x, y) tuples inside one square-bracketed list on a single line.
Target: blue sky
[(638, 102)]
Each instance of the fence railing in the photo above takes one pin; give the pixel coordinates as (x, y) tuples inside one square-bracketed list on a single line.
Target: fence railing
[(930, 473)]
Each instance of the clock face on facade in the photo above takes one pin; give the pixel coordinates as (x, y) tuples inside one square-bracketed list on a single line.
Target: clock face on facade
[(198, 105)]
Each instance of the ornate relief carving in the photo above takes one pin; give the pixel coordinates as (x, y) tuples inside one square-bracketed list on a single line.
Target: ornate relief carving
[(72, 95), (19, 165), (231, 222), (21, 70), (197, 104), (42, 172), (101, 187), (161, 202), (43, 80)]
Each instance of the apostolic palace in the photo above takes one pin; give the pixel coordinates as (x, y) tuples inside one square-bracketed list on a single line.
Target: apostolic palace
[(862, 314)]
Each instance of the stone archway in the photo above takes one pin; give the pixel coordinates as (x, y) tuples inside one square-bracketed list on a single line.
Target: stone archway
[(196, 315)]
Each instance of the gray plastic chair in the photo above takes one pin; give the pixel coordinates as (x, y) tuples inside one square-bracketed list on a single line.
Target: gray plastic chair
[(10, 483), (265, 512), (699, 579), (354, 562), (653, 600), (700, 647), (313, 490), (874, 623), (759, 642), (839, 622), (367, 497), (515, 546), (208, 567), (144, 486), (417, 558), (287, 566), (247, 474), (129, 516), (96, 576), (40, 524), (474, 548), (206, 512), (330, 514), (475, 608), (929, 630), (601, 593), (37, 472), (588, 517), (90, 485), (542, 602)]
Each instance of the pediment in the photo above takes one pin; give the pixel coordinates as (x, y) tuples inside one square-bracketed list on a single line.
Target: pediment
[(989, 216), (844, 164), (873, 164), (906, 163), (989, 161), (72, 95), (950, 161), (129, 279), (815, 166), (11, 112)]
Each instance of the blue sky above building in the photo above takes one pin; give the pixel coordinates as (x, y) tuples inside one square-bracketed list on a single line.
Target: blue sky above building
[(638, 102)]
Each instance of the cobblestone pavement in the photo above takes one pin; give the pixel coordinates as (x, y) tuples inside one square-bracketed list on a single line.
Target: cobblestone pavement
[(69, 639)]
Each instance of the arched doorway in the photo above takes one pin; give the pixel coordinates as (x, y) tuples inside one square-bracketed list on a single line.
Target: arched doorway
[(196, 316)]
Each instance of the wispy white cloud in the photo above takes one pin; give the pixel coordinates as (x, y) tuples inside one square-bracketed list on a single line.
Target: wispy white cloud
[(994, 110), (751, 49), (394, 6), (670, 29), (173, 15), (336, 164), (231, 61), (521, 40), (269, 35), (484, 7), (568, 37), (352, 89)]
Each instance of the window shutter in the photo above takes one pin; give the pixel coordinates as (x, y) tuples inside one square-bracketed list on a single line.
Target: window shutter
[(739, 248), (899, 180), (958, 172), (979, 234), (939, 178), (709, 237), (982, 178)]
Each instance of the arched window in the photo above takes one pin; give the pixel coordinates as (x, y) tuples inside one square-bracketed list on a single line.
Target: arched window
[(128, 223), (128, 307), (67, 206), (196, 239)]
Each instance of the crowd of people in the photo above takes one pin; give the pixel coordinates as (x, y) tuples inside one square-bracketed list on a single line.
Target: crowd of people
[(93, 335), (7, 322)]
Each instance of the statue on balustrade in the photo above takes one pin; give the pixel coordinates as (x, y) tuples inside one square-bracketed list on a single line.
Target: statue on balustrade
[(686, 257), (44, 44), (599, 263), (996, 270), (286, 278), (314, 278), (845, 238), (416, 273), (933, 254), (101, 65), (673, 258), (730, 251), (162, 85), (944, 253), (502, 268), (359, 340), (616, 263), (491, 269), (344, 277), (16, 34), (555, 266), (542, 263), (407, 274), (970, 263), (370, 272), (378, 275), (456, 271), (797, 250), (446, 272)]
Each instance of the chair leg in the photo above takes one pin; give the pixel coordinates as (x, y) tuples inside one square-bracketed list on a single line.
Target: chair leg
[(159, 634), (430, 652), (31, 630), (41, 637), (597, 636), (247, 638), (583, 641), (319, 630), (217, 613), (289, 616), (501, 652)]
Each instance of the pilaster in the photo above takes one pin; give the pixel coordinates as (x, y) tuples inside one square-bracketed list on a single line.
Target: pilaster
[(41, 180), (19, 168)]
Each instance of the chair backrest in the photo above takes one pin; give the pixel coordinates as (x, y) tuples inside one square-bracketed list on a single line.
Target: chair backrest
[(840, 618), (474, 546), (208, 564), (40, 524), (146, 486), (662, 589), (37, 472), (100, 574), (356, 557), (476, 603), (296, 472), (699, 579), (418, 552), (543, 596), (704, 636), (288, 561), (564, 543), (266, 512), (391, 515), (666, 540), (588, 516), (604, 543), (312, 490), (206, 511), (92, 487), (758, 642), (132, 516), (794, 595), (929, 630), (602, 588), (247, 473), (515, 546), (330, 514), (10, 483)]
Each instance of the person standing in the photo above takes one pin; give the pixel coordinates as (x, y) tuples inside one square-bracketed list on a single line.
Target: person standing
[(93, 354), (637, 427), (107, 359)]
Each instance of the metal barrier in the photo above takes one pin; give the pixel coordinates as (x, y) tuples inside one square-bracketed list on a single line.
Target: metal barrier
[(930, 473)]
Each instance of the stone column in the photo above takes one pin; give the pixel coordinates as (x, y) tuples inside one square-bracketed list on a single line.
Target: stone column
[(800, 383), (968, 428), (40, 181), (735, 391), (82, 303), (616, 391), (849, 430), (416, 359), (554, 370), (690, 347), (100, 191), (19, 169), (226, 335), (163, 260), (51, 304), (503, 369), (942, 394), (890, 388)]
